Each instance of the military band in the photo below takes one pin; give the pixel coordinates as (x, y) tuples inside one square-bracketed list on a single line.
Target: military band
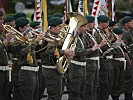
[(95, 62)]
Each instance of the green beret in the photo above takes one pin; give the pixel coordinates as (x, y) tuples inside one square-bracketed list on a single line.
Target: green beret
[(90, 19), (34, 24), (19, 15), (21, 22), (54, 21), (126, 19), (112, 23), (122, 15), (118, 30), (9, 18), (49, 16), (103, 18), (58, 15)]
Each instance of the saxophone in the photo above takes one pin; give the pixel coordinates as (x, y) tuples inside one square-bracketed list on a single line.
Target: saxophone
[(76, 20)]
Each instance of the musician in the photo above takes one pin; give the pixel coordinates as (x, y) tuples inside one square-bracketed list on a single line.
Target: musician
[(54, 80), (76, 69), (106, 67), (36, 26), (120, 55), (127, 23), (92, 59), (9, 20), (4, 59), (28, 74)]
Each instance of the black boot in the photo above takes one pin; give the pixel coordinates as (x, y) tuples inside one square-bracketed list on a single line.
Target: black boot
[(128, 96)]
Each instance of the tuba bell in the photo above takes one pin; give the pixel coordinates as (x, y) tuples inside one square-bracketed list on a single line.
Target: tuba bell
[(76, 20)]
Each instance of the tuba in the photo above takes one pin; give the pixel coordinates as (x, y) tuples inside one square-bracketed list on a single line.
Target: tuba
[(76, 20)]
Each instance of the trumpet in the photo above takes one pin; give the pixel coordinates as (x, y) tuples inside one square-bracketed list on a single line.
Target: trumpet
[(46, 35), (17, 35)]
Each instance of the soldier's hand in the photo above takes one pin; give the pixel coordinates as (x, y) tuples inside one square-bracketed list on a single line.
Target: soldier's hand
[(39, 37), (95, 47), (8, 38), (103, 43), (69, 53)]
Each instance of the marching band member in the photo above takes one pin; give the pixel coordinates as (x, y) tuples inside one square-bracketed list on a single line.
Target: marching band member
[(78, 74), (4, 58), (35, 25), (106, 67), (92, 60), (127, 23), (28, 74), (54, 80), (119, 60)]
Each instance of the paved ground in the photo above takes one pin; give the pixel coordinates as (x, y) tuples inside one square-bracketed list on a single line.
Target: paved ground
[(65, 97)]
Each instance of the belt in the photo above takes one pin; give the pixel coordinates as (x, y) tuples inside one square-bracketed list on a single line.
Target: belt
[(93, 58), (4, 68), (120, 59), (14, 58), (109, 57), (78, 63), (38, 60), (29, 68), (51, 67)]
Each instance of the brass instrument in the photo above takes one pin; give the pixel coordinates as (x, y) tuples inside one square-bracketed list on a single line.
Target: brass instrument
[(63, 34), (17, 35), (76, 20), (46, 35)]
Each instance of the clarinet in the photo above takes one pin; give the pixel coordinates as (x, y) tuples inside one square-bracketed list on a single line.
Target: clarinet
[(93, 39), (103, 36)]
